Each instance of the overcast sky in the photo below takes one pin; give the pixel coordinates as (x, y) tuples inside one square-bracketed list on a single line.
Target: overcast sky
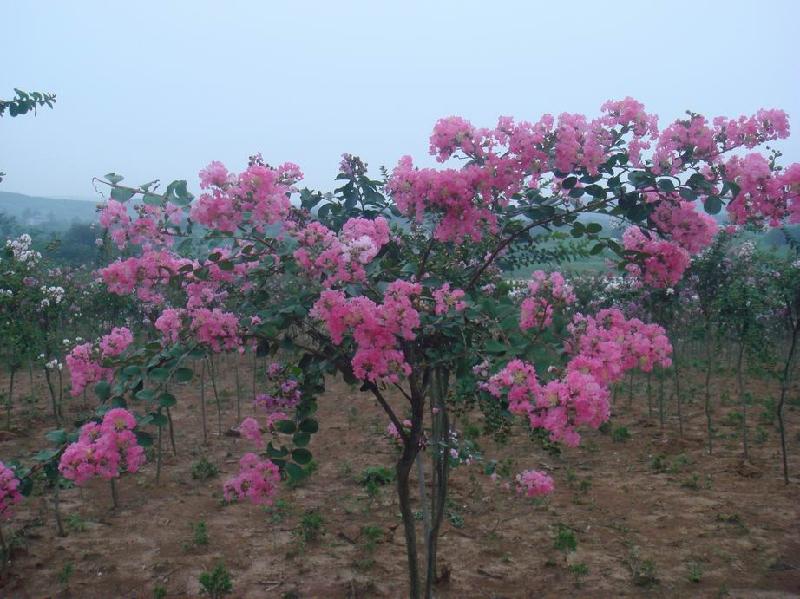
[(159, 89)]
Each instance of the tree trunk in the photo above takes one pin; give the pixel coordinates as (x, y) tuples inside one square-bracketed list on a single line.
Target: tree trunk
[(707, 398), (742, 399), (784, 390), (203, 401), (404, 464), (216, 394), (9, 399), (441, 466), (678, 398), (52, 397)]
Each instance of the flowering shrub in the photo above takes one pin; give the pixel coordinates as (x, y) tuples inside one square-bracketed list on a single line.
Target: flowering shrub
[(402, 283), (105, 450), (85, 360), (9, 491)]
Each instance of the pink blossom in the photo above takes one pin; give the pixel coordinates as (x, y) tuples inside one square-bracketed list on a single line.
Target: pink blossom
[(9, 491), (534, 483), (257, 480), (251, 430), (659, 263)]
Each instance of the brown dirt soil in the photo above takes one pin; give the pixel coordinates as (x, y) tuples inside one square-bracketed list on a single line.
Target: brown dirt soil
[(647, 513)]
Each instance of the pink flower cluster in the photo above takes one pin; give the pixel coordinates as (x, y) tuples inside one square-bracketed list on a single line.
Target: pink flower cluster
[(657, 262), (285, 397), (377, 329), (85, 361), (764, 194), (607, 345), (559, 406), (147, 229), (260, 191), (342, 258), (463, 198), (446, 299), (692, 230), (502, 160), (696, 139), (257, 480), (142, 274), (213, 328), (534, 483), (9, 491), (104, 449), (250, 429), (545, 292)]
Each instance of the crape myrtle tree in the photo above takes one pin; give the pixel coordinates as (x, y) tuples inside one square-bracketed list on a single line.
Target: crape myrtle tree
[(398, 284)]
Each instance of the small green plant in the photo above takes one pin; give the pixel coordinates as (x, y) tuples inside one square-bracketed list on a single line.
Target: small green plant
[(375, 477), (565, 540), (202, 469), (620, 434), (679, 462), (309, 528), (695, 572), (371, 534), (380, 475), (455, 518), (761, 435), (643, 571), (692, 483), (66, 573), (75, 523), (216, 583), (159, 592), (578, 570), (733, 419), (278, 511), (658, 463), (200, 533)]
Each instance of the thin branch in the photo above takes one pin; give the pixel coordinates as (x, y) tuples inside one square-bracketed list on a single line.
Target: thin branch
[(388, 409)]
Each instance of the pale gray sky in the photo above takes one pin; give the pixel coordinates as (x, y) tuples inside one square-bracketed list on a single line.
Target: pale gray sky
[(158, 89)]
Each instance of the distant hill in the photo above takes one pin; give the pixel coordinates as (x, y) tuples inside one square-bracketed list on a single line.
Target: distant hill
[(46, 213)]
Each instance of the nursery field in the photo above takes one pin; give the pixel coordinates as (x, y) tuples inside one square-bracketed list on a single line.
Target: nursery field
[(637, 510)]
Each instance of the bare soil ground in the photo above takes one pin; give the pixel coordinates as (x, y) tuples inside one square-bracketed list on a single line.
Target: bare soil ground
[(653, 516)]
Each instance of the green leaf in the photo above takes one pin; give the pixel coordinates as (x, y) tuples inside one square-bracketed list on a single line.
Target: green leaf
[(159, 374), (569, 182), (102, 390), (152, 199), (309, 425), (688, 194), (295, 472), (45, 455), (495, 347), (144, 439), (285, 426), (145, 395), (167, 400), (666, 185), (59, 437), (713, 204), (594, 228), (159, 419), (121, 194), (184, 375), (113, 178), (301, 455), (273, 453), (301, 439)]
